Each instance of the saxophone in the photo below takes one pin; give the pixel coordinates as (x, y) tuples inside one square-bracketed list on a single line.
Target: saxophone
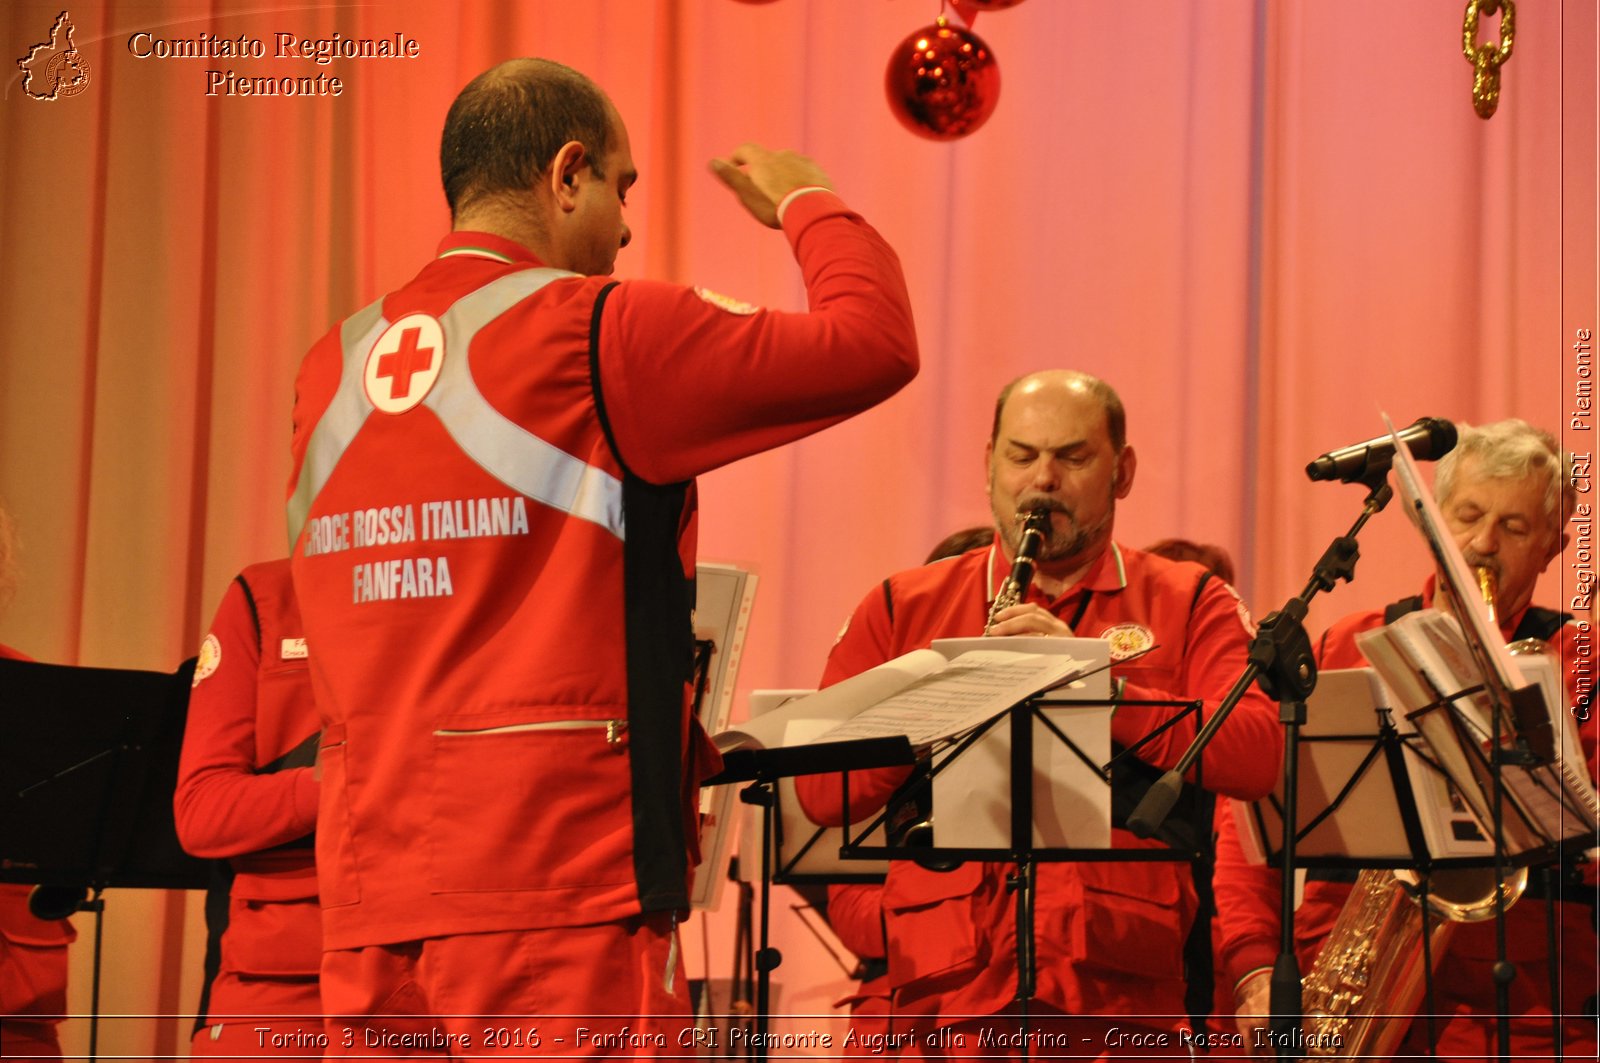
[(1371, 967), (1035, 533)]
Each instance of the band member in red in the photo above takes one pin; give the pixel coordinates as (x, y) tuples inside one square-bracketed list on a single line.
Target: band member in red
[(1110, 936), (1506, 493), (247, 795), (493, 513)]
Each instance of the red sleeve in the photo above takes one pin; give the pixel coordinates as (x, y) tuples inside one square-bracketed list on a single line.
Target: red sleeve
[(864, 643), (1245, 756), (690, 385), (855, 911), (222, 806), (1248, 898)]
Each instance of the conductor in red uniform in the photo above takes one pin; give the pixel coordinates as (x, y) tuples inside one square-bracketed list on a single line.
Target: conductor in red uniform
[(493, 517)]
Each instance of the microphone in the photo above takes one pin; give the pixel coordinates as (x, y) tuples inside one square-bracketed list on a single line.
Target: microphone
[(1428, 439)]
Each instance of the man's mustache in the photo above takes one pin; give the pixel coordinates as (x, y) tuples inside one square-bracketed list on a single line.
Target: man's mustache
[(1034, 505)]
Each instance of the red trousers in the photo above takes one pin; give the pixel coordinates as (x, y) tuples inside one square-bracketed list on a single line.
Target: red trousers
[(614, 989), (261, 1018)]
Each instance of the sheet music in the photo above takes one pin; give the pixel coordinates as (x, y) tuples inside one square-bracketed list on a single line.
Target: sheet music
[(837, 703), (724, 596), (1094, 653), (1350, 794), (972, 688), (1456, 729), (1549, 802)]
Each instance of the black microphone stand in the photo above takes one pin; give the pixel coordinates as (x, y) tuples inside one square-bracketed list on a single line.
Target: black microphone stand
[(1282, 661)]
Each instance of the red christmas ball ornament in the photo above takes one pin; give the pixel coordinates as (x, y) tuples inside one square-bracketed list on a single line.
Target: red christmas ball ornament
[(943, 82)]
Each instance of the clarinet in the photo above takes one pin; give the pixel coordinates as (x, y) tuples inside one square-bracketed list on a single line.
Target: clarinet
[(1035, 532)]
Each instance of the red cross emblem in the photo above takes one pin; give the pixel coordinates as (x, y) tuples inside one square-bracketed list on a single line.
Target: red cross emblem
[(404, 363)]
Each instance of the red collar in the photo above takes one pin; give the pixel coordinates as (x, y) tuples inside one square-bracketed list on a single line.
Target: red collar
[(1106, 573), (486, 245)]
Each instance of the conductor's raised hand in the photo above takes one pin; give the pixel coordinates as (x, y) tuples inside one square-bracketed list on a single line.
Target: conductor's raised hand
[(762, 178)]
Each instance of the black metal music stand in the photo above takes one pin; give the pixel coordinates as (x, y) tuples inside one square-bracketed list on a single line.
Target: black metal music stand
[(1022, 852), (1373, 762), (88, 766), (762, 769)]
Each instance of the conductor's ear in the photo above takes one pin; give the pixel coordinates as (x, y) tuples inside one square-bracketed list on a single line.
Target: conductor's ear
[(565, 171)]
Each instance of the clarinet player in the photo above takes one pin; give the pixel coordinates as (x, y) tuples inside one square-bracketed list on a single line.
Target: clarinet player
[(1109, 936)]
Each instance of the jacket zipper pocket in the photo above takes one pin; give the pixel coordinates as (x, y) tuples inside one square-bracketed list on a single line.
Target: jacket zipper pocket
[(616, 730)]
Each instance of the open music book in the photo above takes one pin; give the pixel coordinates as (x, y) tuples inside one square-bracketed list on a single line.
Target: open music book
[(1426, 663), (1351, 800), (923, 695), (724, 596)]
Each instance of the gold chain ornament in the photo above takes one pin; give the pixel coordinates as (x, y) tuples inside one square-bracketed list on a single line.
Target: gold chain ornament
[(1487, 58)]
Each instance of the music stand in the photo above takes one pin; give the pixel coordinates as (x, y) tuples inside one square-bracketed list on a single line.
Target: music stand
[(1355, 805), (1372, 797), (762, 769), (1358, 777), (803, 854), (88, 767), (1026, 721)]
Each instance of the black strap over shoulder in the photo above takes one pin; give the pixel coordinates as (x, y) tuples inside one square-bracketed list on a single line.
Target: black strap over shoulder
[(1540, 623), (255, 612), (594, 371), (1395, 610), (1537, 623), (657, 603)]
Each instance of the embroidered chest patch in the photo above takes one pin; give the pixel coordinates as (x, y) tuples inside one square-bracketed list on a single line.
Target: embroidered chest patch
[(1127, 640)]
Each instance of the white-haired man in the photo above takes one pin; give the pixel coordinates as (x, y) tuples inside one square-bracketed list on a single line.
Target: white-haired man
[(1506, 493)]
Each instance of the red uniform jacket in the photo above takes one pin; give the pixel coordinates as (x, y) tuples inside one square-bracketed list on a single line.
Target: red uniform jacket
[(250, 710), (493, 520), (1110, 936)]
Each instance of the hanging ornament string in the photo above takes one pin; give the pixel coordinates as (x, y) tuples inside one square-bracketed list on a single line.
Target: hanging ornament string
[(1487, 58)]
